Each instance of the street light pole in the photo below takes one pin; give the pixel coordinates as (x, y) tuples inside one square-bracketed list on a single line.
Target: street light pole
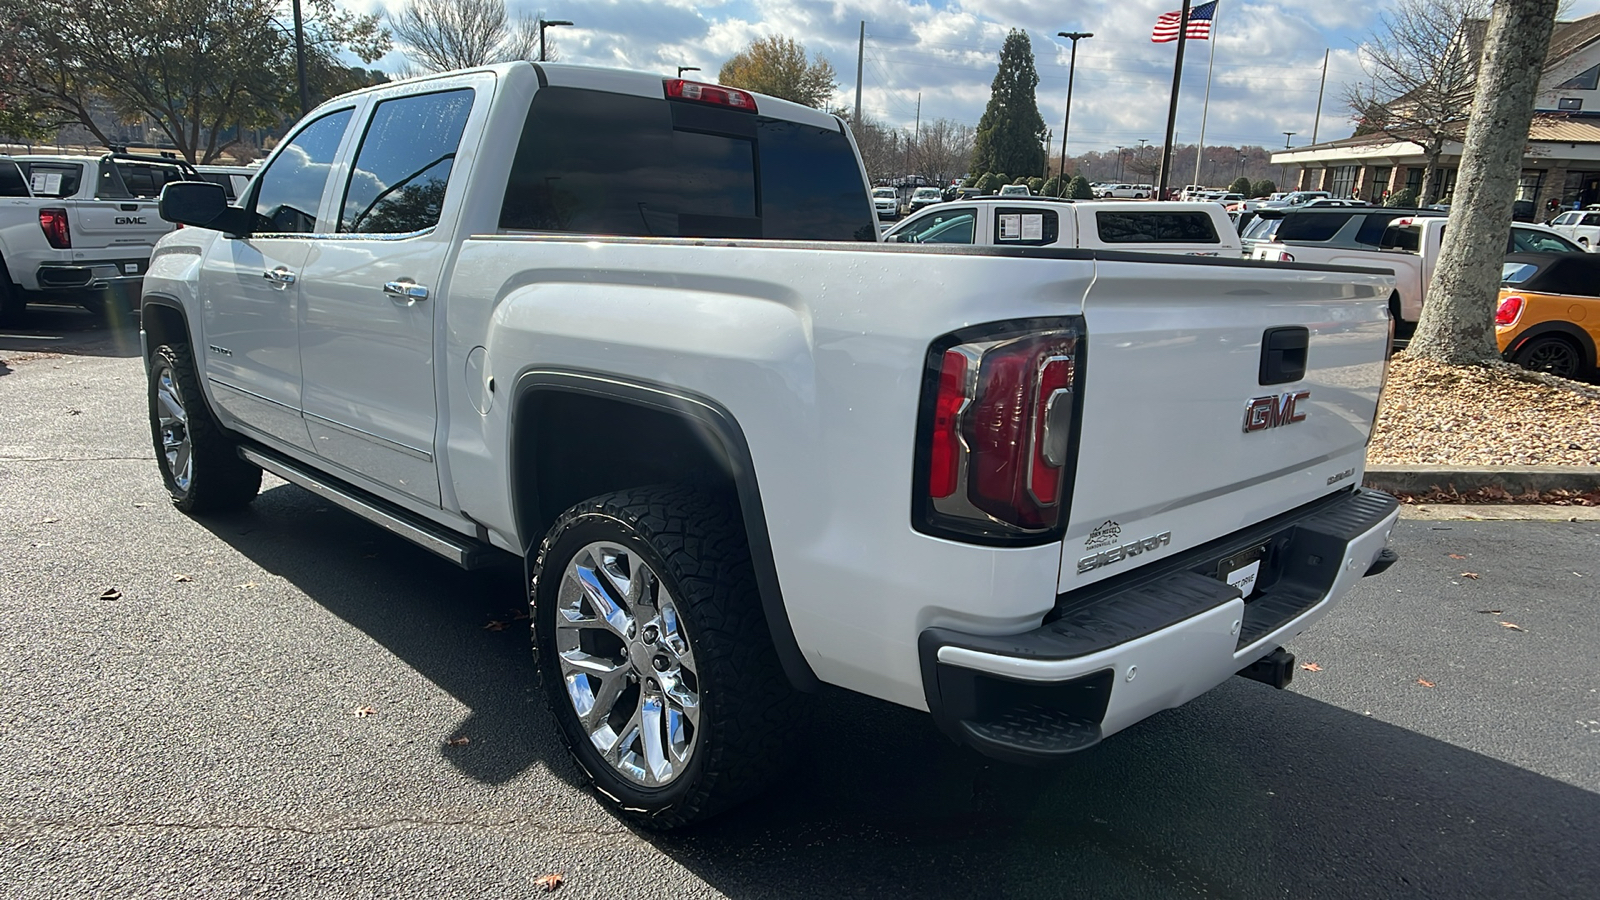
[(1119, 161), (1072, 67), (1283, 170), (683, 69), (547, 23)]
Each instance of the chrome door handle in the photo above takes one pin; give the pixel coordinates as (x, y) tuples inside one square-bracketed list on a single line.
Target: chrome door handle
[(279, 276), (408, 290)]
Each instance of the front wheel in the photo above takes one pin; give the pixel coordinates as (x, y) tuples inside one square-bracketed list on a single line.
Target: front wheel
[(655, 656), (199, 462), (1552, 354)]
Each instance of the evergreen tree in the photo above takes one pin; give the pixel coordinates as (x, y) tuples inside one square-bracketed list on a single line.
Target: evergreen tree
[(990, 183), (1078, 188), (1011, 132), (1052, 187), (1263, 187), (1241, 185), (1036, 185)]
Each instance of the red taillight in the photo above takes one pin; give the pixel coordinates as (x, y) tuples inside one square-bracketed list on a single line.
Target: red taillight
[(715, 94), (1285, 256), (1002, 417), (54, 222), (1509, 310), (945, 459)]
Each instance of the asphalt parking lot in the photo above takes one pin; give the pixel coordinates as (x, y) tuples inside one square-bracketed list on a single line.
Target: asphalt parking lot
[(274, 703)]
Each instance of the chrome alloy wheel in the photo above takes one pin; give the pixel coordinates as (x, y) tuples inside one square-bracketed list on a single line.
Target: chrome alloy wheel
[(173, 422), (626, 663)]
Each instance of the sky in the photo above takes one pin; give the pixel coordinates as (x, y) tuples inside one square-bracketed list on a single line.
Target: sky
[(1268, 57)]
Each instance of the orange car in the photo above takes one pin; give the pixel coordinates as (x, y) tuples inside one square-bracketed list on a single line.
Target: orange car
[(1549, 314)]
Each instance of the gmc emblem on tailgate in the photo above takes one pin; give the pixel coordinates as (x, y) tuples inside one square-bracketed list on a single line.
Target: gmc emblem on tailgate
[(1274, 412), (130, 220)]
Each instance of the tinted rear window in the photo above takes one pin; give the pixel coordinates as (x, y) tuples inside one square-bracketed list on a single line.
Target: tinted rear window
[(1155, 228), (51, 179), (12, 184), (123, 180), (593, 162), (1312, 226)]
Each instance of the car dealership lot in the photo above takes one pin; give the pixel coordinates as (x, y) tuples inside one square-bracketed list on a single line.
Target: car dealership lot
[(249, 712)]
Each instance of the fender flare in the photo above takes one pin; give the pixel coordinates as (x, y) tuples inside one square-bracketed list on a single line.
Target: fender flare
[(720, 422)]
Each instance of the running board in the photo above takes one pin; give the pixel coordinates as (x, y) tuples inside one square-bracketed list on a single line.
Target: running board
[(463, 551)]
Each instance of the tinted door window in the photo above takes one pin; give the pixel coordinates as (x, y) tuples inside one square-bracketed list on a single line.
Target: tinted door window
[(122, 180), (1029, 227), (226, 181), (290, 190), (1592, 219), (1156, 228), (398, 181), (12, 184), (947, 226), (601, 163)]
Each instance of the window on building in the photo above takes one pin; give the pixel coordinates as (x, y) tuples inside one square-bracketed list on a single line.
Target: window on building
[(1380, 183), (1343, 180), (1529, 184), (1586, 80), (1414, 180)]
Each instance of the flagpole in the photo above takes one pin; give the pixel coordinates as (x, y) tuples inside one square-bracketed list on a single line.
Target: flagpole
[(1172, 106), (1205, 110)]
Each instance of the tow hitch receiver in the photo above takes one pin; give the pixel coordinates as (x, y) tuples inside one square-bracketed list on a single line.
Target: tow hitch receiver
[(1276, 669)]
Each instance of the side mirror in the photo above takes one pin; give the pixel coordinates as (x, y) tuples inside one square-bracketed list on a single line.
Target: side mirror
[(202, 204)]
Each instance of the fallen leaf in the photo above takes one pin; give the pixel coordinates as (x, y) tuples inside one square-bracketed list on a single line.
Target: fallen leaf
[(1472, 575), (74, 412), (140, 505), (459, 741), (1311, 667), (111, 594), (1491, 612), (1457, 556), (1512, 626), (52, 521), (181, 578), (550, 882), (495, 626), (363, 711), (1424, 682), (247, 586)]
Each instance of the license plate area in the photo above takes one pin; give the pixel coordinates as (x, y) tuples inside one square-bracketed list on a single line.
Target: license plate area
[(1247, 570)]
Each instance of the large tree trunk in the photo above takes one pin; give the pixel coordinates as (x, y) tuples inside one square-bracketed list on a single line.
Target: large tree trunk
[(1430, 174), (1458, 319)]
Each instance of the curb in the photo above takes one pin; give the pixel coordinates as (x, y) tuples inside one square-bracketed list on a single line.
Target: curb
[(1514, 480)]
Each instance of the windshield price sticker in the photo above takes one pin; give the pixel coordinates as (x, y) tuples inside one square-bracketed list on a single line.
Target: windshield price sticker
[(1021, 227)]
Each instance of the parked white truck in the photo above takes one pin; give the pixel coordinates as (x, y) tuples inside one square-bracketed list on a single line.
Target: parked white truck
[(1407, 245), (81, 228), (640, 333)]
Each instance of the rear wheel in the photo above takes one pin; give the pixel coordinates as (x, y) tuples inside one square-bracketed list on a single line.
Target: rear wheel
[(1551, 353), (199, 462), (655, 656)]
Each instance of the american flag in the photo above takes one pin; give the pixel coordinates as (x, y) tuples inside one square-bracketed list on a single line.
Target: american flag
[(1166, 29)]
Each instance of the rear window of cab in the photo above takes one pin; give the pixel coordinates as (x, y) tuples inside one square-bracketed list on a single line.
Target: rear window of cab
[(595, 162), (1134, 227)]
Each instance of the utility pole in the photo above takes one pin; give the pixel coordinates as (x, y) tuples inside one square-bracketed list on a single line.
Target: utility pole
[(1172, 106), (1119, 162), (300, 59), (1318, 123), (1072, 67), (861, 55), (1283, 170)]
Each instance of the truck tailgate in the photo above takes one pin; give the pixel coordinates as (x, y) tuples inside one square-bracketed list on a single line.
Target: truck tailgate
[(106, 224), (1185, 442)]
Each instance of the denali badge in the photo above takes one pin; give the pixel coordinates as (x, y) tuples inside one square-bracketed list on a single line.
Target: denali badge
[(1103, 534), (1274, 412), (1118, 554)]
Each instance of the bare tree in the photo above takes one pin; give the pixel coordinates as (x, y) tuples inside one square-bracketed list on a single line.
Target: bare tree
[(1458, 321), (882, 148), (1422, 63), (942, 150), (442, 35)]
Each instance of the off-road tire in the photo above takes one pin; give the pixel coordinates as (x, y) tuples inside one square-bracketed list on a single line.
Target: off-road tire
[(219, 480), (750, 714), (1553, 354)]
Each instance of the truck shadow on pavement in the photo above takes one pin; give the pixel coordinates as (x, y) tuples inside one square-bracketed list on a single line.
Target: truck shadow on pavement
[(1244, 792), (69, 330)]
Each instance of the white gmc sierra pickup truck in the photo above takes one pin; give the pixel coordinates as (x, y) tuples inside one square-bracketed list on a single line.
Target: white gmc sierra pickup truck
[(640, 333)]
